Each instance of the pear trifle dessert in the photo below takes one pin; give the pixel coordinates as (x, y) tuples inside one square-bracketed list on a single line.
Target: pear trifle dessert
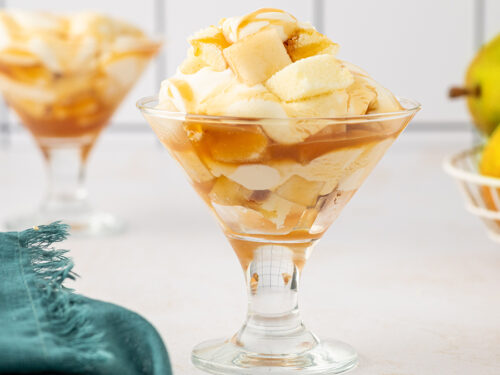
[(274, 179), (64, 76), (276, 134)]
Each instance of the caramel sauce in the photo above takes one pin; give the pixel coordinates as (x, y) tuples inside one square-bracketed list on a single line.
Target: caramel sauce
[(248, 144), (26, 73), (218, 40), (253, 17), (245, 250), (63, 120), (250, 218), (236, 145), (64, 104)]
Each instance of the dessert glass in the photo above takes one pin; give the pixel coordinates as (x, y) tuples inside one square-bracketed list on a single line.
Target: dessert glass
[(274, 202), (65, 113)]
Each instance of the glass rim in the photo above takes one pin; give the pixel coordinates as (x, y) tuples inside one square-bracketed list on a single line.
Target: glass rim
[(147, 105)]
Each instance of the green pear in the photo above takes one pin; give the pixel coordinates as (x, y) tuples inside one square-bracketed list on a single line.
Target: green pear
[(482, 87)]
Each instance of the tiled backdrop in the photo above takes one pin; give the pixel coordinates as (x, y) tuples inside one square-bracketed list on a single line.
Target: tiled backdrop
[(416, 48)]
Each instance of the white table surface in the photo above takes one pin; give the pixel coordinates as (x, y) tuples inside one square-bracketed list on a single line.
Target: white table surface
[(405, 275)]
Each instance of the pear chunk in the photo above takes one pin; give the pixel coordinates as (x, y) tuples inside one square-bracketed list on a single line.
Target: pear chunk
[(284, 214), (235, 144), (193, 166), (229, 193), (299, 190), (309, 77), (257, 57), (309, 42), (192, 63), (207, 46)]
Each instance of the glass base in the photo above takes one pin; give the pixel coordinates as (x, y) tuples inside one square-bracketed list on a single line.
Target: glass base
[(88, 224), (224, 357)]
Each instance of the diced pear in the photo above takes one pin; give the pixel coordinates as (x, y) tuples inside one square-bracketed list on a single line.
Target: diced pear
[(232, 144), (329, 167), (18, 57), (192, 63), (193, 166), (257, 57), (170, 132), (219, 169), (309, 42), (307, 219), (299, 190), (50, 51), (39, 95), (279, 216), (328, 187), (229, 193), (126, 69), (256, 176), (281, 212), (308, 77), (208, 45), (243, 219)]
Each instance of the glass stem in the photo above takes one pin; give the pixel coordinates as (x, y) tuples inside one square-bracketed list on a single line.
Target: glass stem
[(66, 167), (274, 325)]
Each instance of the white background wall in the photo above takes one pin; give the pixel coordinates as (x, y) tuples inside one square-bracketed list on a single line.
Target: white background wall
[(416, 48)]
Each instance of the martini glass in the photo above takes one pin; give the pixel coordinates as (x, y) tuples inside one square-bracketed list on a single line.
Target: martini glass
[(274, 201), (65, 112)]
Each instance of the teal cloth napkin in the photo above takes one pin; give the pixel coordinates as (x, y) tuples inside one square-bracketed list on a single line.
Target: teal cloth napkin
[(46, 328)]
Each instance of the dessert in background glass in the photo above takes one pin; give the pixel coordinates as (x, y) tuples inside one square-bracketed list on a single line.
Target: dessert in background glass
[(276, 135), (64, 76)]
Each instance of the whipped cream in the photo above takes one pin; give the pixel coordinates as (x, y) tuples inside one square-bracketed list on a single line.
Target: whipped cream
[(268, 64)]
